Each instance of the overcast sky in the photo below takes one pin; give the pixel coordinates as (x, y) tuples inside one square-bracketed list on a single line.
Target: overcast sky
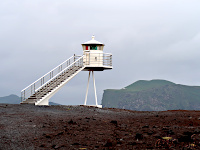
[(149, 39)]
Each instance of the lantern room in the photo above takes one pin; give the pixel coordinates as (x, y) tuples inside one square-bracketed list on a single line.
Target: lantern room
[(93, 45)]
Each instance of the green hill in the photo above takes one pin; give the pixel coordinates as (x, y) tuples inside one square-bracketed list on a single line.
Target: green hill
[(142, 85), (155, 95), (14, 99)]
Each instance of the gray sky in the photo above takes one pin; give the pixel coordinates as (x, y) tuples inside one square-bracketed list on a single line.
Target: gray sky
[(149, 39)]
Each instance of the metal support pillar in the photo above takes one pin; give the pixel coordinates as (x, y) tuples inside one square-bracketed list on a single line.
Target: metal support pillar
[(88, 88), (95, 92)]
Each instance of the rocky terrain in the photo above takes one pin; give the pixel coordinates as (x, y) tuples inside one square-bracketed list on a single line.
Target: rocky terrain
[(81, 127)]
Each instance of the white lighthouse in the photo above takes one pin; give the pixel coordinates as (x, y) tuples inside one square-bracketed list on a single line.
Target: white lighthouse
[(95, 60)]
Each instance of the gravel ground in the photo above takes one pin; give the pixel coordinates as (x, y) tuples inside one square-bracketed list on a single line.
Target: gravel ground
[(80, 127)]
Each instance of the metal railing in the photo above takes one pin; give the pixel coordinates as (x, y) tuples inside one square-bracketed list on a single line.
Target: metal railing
[(97, 59), (107, 59), (48, 77)]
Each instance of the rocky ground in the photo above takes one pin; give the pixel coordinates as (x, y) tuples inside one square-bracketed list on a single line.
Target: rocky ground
[(81, 127)]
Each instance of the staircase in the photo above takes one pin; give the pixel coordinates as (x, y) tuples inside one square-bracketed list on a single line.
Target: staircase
[(40, 91)]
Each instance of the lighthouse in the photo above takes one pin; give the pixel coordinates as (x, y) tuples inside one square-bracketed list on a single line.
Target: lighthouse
[(93, 59)]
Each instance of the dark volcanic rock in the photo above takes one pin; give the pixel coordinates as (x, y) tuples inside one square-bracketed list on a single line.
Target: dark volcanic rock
[(80, 127)]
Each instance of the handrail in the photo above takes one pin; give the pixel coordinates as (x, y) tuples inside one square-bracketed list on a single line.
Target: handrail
[(57, 74), (51, 75), (48, 73), (98, 59)]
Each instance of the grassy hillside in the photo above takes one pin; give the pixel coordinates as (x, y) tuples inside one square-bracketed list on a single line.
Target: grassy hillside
[(155, 95), (142, 85), (14, 99)]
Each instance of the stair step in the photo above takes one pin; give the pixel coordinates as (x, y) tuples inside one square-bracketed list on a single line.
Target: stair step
[(27, 103), (32, 98), (51, 85)]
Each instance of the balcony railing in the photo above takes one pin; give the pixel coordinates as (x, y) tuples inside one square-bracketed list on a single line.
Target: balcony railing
[(97, 59)]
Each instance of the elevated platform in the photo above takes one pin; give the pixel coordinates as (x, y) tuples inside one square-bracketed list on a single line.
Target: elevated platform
[(96, 68)]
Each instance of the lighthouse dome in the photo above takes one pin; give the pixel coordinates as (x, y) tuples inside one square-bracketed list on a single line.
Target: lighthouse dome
[(93, 41)]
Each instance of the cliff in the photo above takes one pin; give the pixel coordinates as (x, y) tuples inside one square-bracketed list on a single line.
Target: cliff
[(154, 95)]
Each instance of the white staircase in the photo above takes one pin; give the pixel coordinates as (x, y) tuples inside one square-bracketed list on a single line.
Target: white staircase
[(40, 91)]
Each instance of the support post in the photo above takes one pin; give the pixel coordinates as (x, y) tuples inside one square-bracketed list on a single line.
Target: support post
[(95, 92), (87, 89)]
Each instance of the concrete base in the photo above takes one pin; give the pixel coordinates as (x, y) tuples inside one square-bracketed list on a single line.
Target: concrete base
[(99, 106)]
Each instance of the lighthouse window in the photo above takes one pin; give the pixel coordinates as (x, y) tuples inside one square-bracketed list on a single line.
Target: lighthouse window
[(93, 47), (86, 47)]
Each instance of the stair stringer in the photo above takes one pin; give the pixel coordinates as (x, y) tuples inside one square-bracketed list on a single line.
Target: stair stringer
[(45, 99)]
